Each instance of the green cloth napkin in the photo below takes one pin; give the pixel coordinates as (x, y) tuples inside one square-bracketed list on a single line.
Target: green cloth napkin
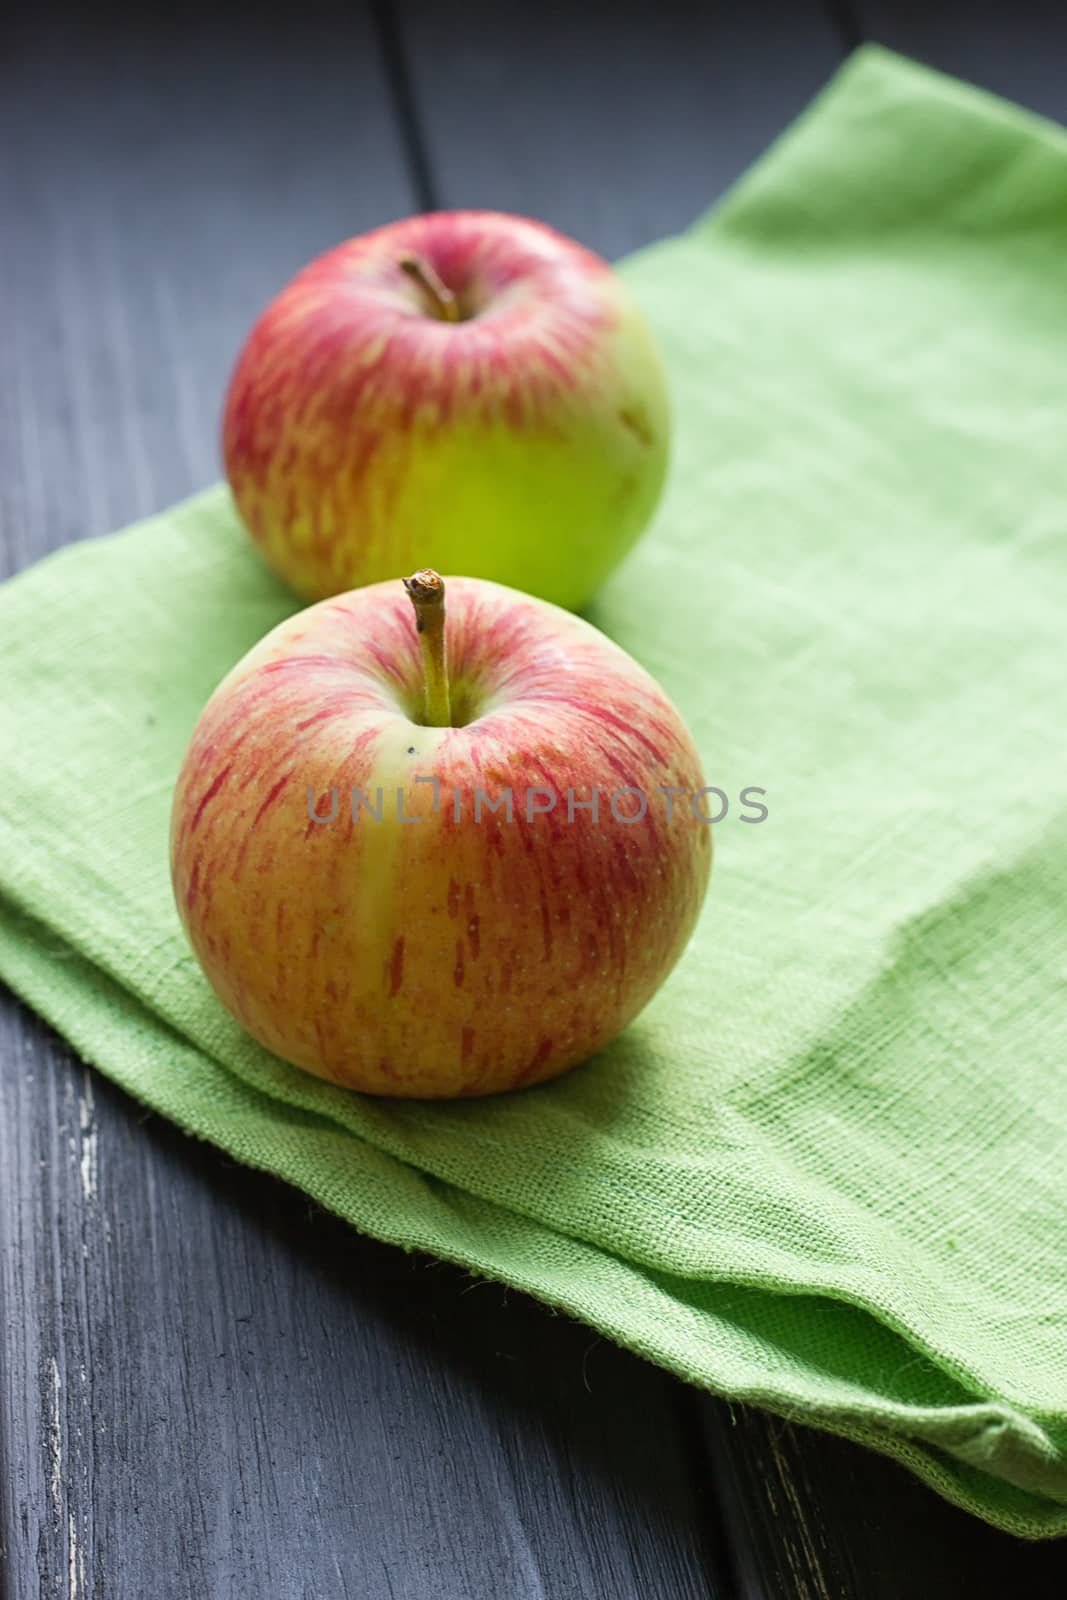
[(825, 1171)]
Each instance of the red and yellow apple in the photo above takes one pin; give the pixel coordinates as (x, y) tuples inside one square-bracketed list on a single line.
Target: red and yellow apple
[(466, 389), (433, 862)]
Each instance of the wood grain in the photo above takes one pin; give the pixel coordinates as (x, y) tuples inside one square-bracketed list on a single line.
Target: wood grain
[(817, 1518), (230, 1393), (162, 179)]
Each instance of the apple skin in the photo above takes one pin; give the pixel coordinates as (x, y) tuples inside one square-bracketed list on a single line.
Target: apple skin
[(363, 435), (436, 958)]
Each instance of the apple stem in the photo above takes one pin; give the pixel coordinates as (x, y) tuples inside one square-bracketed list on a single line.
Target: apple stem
[(426, 591), (444, 303)]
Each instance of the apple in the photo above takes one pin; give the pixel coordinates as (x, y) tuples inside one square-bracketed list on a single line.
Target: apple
[(423, 861), (466, 389)]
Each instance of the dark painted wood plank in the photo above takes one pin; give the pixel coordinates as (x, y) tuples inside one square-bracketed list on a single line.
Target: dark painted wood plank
[(817, 1518), (620, 127), (161, 177), (617, 123), (208, 1388), (233, 1394), (1017, 50)]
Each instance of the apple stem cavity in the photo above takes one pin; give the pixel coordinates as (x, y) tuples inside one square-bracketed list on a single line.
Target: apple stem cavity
[(426, 591), (442, 301)]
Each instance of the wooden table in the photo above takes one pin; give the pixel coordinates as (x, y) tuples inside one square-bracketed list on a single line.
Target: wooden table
[(208, 1387)]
